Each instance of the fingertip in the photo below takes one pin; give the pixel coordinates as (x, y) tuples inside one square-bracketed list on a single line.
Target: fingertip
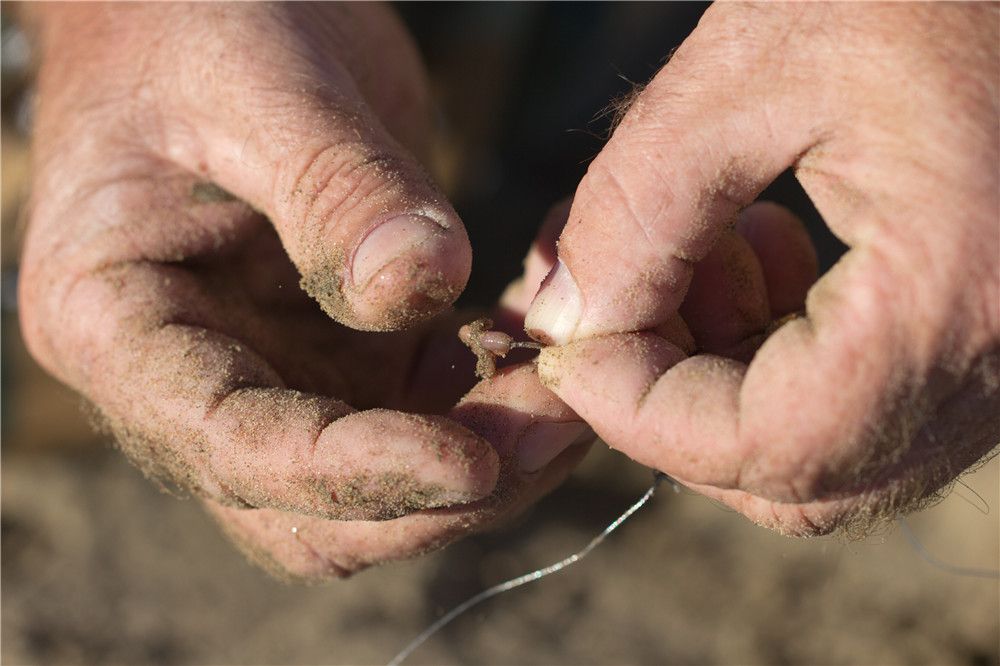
[(604, 378), (417, 285), (727, 299), (786, 253), (406, 237), (647, 399), (555, 313), (404, 270), (538, 437), (502, 408), (308, 454), (381, 464)]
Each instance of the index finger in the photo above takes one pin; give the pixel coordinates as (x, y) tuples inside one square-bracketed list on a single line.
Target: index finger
[(697, 145)]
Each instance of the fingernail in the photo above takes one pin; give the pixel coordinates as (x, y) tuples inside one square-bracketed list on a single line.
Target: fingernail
[(390, 240), (543, 441), (555, 313)]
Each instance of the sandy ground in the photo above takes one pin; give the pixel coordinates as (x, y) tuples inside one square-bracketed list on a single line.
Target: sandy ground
[(99, 568)]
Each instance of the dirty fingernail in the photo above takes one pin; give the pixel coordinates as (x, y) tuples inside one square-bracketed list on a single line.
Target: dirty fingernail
[(555, 313), (543, 441), (389, 241)]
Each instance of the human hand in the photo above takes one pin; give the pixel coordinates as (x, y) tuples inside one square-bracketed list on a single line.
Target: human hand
[(889, 386), (176, 309)]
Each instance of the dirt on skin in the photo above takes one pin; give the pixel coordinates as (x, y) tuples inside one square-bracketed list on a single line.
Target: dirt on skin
[(409, 187), (394, 495), (327, 288)]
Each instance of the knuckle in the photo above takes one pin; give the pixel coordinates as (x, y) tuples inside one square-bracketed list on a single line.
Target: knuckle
[(795, 520), (38, 282), (294, 559), (46, 302), (807, 521), (315, 568), (336, 182)]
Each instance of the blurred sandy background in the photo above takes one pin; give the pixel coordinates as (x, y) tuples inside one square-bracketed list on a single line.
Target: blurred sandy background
[(99, 567)]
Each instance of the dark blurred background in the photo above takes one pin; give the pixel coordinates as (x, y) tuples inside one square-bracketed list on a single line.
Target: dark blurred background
[(99, 567), (526, 93)]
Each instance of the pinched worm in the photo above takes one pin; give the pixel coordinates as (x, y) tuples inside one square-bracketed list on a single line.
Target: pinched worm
[(487, 345)]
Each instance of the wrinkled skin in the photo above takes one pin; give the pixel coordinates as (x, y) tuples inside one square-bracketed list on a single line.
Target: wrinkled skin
[(176, 309), (887, 388)]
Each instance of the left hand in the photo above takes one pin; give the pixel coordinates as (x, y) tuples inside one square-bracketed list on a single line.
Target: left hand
[(538, 441), (175, 309)]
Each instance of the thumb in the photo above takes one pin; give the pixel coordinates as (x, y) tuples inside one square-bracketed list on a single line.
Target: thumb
[(696, 146), (375, 241)]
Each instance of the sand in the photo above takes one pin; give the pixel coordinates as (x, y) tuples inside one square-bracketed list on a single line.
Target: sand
[(99, 567)]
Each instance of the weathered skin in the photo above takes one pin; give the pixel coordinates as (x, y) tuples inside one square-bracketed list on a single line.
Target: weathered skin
[(175, 309), (888, 387)]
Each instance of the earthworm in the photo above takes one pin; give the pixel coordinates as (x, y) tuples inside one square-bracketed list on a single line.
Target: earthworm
[(488, 344)]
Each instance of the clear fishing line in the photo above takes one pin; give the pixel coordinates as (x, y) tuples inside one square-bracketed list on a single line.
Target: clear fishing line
[(941, 564), (531, 576)]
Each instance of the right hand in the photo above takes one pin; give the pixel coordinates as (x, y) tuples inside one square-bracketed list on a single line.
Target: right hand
[(889, 386)]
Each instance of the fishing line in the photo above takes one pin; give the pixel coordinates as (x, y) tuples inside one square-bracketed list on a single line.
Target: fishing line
[(537, 574), (941, 564), (531, 576)]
